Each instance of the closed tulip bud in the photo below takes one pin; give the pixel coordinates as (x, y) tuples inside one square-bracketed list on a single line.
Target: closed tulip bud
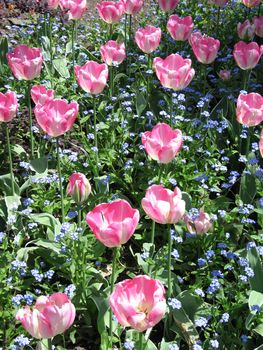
[(251, 3), (25, 62), (79, 188), (258, 23), (8, 106), (162, 143), (168, 5), (92, 77), (174, 72), (246, 30), (113, 223), (199, 224), (180, 28), (40, 95), (77, 9), (110, 12), (50, 316), (246, 55), (249, 110), (260, 146), (163, 205), (148, 38), (138, 303), (204, 47), (132, 7), (113, 53), (56, 116), (224, 74)]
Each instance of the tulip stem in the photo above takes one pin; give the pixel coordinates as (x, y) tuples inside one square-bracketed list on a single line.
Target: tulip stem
[(73, 33), (95, 133), (111, 31), (153, 232), (10, 160), (246, 78), (248, 142), (111, 81), (169, 292), (148, 75), (218, 21), (30, 121), (114, 262), (125, 32), (49, 342), (171, 109), (140, 341), (60, 181), (79, 217)]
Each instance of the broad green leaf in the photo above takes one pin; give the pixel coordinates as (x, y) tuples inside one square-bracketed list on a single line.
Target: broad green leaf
[(247, 188), (3, 50), (46, 220), (256, 282), (60, 65), (5, 185), (40, 165), (141, 103)]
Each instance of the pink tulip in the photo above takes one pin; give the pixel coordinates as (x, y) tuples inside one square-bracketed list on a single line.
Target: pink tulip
[(56, 116), (92, 77), (132, 7), (148, 38), (219, 3), (200, 224), (258, 23), (139, 302), (113, 223), (40, 95), (113, 53), (249, 110), (110, 12), (251, 3), (25, 62), (174, 72), (8, 106), (162, 143), (75, 8), (180, 28), (247, 55), (51, 315), (245, 30), (205, 47), (79, 187), (163, 205), (168, 5), (260, 145), (224, 74), (52, 4)]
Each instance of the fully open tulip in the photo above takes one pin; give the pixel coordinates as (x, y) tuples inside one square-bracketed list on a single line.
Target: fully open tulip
[(8, 106), (224, 74), (52, 4), (180, 28), (205, 47), (162, 143), (258, 23), (77, 9), (245, 30), (199, 224), (113, 223), (163, 205), (168, 5), (79, 187), (219, 3), (249, 110), (247, 55), (260, 146), (131, 7), (251, 3), (92, 77), (174, 72), (148, 38), (110, 12), (25, 62), (113, 53), (56, 116), (40, 95), (50, 316), (139, 302)]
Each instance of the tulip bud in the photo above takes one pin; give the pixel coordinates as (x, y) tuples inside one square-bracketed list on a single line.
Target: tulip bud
[(79, 187)]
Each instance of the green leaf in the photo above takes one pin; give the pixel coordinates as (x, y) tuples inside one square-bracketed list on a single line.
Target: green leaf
[(40, 165), (247, 188), (5, 185), (119, 77), (45, 243), (60, 65), (46, 220), (259, 329), (17, 149), (12, 203), (188, 200), (255, 298), (255, 263), (141, 103), (165, 345), (3, 50)]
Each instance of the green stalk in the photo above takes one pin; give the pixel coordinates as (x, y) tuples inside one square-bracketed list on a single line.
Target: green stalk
[(130, 27), (79, 217), (217, 21), (246, 78), (95, 132), (125, 32), (248, 142), (60, 181), (169, 292), (171, 109), (30, 121), (50, 39), (10, 160), (111, 81), (49, 344), (148, 76), (73, 43), (114, 263), (153, 232), (140, 341), (110, 31)]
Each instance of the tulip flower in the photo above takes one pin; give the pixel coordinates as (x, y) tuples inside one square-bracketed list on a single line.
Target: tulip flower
[(79, 187), (75, 8), (8, 106), (251, 3), (174, 71), (138, 303), (246, 30), (40, 95), (113, 223), (148, 38), (53, 4), (50, 316), (258, 23), (92, 77), (246, 55), (224, 74), (168, 5), (199, 224), (110, 12), (204, 47), (162, 143), (249, 110), (180, 28), (260, 145), (113, 53), (132, 7), (25, 62), (219, 3)]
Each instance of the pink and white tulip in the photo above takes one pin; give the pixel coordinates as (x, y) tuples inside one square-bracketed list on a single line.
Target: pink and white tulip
[(168, 5), (258, 23), (180, 28), (249, 110), (40, 95), (132, 7), (246, 30), (52, 4), (74, 8), (110, 11), (224, 74), (8, 106), (251, 3), (204, 47), (148, 38), (246, 55), (200, 224), (138, 303), (79, 187), (113, 53), (260, 145)]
